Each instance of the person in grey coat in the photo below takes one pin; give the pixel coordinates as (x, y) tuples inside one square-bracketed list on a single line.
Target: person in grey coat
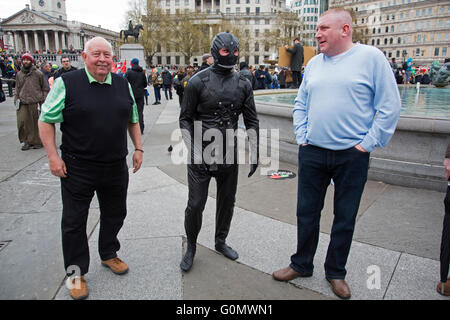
[(296, 61), (243, 67)]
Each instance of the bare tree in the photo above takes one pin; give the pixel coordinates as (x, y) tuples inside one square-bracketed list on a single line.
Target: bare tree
[(360, 32), (154, 20), (185, 33), (287, 28)]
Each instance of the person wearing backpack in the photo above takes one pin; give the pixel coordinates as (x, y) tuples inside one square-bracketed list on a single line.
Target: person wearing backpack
[(157, 83), (177, 83), (167, 83)]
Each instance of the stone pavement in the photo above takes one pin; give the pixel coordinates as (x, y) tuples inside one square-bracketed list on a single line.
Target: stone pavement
[(397, 234)]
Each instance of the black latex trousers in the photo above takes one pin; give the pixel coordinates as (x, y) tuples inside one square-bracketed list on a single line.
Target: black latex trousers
[(198, 181)]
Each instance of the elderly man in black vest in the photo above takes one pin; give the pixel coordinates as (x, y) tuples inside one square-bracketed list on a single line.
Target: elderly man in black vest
[(297, 61), (95, 108)]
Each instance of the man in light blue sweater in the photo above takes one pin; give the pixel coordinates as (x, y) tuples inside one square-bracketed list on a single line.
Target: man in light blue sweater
[(347, 105)]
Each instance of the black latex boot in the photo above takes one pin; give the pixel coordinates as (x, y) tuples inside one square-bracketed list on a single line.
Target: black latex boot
[(188, 259), (227, 251)]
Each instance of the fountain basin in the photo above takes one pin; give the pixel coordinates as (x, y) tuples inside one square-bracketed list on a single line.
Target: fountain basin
[(414, 156)]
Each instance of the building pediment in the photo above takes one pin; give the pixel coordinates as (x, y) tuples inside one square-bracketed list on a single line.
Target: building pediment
[(27, 17)]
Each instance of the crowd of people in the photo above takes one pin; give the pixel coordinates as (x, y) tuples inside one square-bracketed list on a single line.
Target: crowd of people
[(409, 73)]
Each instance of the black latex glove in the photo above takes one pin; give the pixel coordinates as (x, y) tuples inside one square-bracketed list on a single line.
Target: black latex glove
[(253, 168)]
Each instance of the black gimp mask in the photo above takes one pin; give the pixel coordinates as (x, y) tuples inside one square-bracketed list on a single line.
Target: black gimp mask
[(228, 41)]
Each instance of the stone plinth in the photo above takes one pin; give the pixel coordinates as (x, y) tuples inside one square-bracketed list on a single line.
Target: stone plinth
[(130, 51)]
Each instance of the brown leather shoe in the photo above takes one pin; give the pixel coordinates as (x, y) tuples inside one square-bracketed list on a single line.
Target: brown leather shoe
[(444, 288), (288, 274), (116, 265), (78, 288), (340, 288)]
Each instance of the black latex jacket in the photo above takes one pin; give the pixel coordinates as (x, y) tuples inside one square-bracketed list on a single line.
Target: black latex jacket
[(215, 98)]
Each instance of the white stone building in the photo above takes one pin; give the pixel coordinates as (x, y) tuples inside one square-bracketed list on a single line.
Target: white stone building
[(404, 28), (308, 12), (43, 29), (254, 17)]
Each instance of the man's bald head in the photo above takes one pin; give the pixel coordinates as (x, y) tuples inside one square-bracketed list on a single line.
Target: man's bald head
[(98, 56), (334, 32), (96, 40), (341, 16)]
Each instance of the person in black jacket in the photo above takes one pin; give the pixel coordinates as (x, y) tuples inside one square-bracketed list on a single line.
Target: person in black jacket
[(167, 82), (138, 81), (260, 76), (207, 61), (244, 71), (213, 100), (66, 67), (178, 83), (296, 62)]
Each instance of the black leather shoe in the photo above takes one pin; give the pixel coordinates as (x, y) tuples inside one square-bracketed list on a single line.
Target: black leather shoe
[(188, 259), (227, 251)]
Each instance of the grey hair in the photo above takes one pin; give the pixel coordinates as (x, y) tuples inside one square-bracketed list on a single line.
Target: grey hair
[(89, 43)]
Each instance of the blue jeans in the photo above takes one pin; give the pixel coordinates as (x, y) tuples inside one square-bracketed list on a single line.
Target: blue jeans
[(316, 167)]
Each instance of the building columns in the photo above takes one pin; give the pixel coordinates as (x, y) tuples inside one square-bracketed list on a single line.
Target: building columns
[(16, 41), (63, 40), (56, 41), (36, 41), (27, 43), (47, 46)]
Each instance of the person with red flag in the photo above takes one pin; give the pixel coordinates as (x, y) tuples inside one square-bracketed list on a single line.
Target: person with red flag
[(113, 68), (124, 67)]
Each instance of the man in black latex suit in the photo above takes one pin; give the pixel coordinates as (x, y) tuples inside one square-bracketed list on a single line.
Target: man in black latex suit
[(214, 99)]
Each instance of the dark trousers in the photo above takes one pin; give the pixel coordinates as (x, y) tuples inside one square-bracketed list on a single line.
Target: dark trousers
[(198, 182), (157, 90), (297, 77), (10, 88), (140, 108), (445, 241), (317, 166), (110, 182), (168, 88)]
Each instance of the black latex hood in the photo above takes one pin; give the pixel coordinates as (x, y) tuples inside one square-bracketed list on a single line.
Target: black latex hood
[(228, 41)]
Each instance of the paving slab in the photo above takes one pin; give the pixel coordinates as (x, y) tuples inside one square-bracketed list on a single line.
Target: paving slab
[(228, 280), (31, 266), (405, 220), (154, 272), (415, 278), (272, 243)]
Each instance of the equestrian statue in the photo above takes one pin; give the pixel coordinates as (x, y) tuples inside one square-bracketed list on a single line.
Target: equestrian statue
[(132, 31)]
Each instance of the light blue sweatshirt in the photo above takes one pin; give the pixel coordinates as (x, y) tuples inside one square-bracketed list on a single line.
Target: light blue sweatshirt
[(348, 99)]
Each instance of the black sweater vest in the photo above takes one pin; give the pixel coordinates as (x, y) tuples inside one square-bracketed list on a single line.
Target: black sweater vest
[(96, 118)]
